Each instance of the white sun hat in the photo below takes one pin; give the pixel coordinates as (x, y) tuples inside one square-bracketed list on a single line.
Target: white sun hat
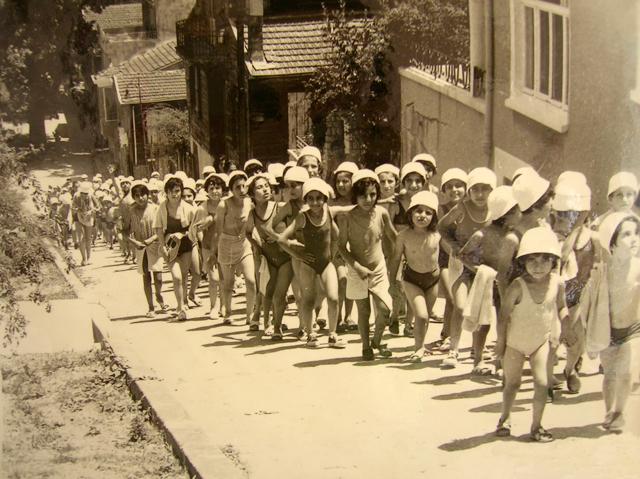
[(221, 176), (310, 151), (575, 177), (539, 240), (253, 162), (85, 187), (190, 184), (481, 176), (500, 202), (424, 198), (154, 174), (413, 167), (276, 169), (297, 174), (315, 184), (529, 188), (387, 168), (454, 174), (426, 157), (525, 170), (571, 194), (609, 225), (347, 167), (235, 174), (364, 174), (207, 170), (621, 180)]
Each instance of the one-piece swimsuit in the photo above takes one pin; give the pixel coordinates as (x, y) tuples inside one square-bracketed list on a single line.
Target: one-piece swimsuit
[(273, 253), (317, 241)]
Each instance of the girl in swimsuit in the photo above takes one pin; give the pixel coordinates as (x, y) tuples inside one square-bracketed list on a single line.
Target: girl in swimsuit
[(342, 187), (175, 218), (278, 261), (360, 244), (312, 238), (189, 196), (464, 219), (528, 323), (419, 245)]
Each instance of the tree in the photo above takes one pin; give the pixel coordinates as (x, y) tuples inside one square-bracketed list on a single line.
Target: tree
[(41, 62), (170, 128)]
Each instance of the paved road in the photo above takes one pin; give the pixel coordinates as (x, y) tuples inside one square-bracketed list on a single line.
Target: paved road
[(288, 411)]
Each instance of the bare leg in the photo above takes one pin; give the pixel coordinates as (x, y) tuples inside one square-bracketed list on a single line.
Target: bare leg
[(249, 272), (364, 312), (329, 279), (227, 271), (513, 361), (284, 274), (538, 361)]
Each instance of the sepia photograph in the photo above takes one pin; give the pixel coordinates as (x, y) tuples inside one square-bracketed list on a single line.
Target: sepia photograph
[(319, 239)]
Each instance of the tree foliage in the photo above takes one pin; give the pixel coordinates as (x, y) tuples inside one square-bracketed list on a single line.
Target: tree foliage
[(170, 126), (41, 62)]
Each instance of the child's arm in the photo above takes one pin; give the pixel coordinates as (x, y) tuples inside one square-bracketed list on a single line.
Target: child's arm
[(567, 333), (512, 297), (389, 231), (284, 210), (394, 261), (343, 239), (335, 237), (221, 211), (293, 246), (471, 253), (447, 228), (337, 210)]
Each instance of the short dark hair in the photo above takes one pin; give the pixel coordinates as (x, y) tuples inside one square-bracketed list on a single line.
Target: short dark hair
[(214, 179), (142, 187), (616, 233), (523, 259), (172, 183), (434, 219), (252, 186), (543, 200), (500, 221), (360, 187), (233, 180)]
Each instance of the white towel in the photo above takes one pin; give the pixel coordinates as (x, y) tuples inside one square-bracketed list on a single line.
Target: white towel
[(594, 311), (265, 276), (479, 309)]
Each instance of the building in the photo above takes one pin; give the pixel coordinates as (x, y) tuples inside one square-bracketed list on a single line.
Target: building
[(561, 91), (247, 62)]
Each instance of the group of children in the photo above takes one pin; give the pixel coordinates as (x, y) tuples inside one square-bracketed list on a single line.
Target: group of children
[(528, 259)]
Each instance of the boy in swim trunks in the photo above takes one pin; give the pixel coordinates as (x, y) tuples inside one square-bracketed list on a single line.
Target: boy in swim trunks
[(360, 244)]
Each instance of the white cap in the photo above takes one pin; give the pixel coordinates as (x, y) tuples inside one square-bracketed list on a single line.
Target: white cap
[(253, 162), (539, 240), (454, 174), (85, 187), (154, 174), (621, 180), (481, 176), (571, 194), (235, 174), (575, 177), (525, 170), (609, 225), (199, 182), (275, 169), (190, 184), (500, 202), (426, 157), (296, 173), (221, 176), (84, 176), (182, 175), (387, 168), (201, 196), (529, 188), (315, 184), (207, 170), (310, 151), (413, 167), (347, 167), (154, 185), (424, 198), (364, 174), (138, 183)]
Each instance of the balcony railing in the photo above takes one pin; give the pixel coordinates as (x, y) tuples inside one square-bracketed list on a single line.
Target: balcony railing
[(459, 75), (196, 39)]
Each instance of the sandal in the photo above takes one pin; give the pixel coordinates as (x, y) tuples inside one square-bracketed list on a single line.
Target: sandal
[(481, 369), (195, 301), (541, 435), (269, 331), (150, 314), (276, 337), (164, 307), (383, 351), (503, 429)]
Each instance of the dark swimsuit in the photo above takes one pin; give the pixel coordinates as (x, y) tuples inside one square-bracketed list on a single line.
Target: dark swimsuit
[(401, 218), (175, 226), (585, 258), (317, 241), (273, 253), (424, 281), (619, 336)]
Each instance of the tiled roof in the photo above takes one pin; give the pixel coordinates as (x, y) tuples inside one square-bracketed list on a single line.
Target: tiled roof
[(150, 87), (161, 57), (114, 17), (294, 47)]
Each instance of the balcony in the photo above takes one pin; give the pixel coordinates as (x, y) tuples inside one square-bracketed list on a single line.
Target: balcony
[(197, 39), (459, 75)]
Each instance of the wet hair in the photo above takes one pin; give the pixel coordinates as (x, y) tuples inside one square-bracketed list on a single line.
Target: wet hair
[(252, 186), (500, 221), (145, 190), (543, 200), (360, 188), (434, 219), (216, 180), (172, 183), (521, 262), (616, 233)]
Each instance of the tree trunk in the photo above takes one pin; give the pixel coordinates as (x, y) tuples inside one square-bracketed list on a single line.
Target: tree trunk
[(37, 134)]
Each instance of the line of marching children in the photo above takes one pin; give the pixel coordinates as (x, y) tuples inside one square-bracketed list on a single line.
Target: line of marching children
[(528, 259)]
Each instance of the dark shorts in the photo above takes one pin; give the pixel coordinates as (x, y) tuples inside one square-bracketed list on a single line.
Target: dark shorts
[(622, 335), (424, 281)]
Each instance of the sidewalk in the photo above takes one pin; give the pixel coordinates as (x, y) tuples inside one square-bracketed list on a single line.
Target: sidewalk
[(278, 410)]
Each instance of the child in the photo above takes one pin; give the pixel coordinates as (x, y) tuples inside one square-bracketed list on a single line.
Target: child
[(494, 246), (278, 261), (621, 195), (311, 160), (360, 244), (109, 222), (189, 196), (232, 248), (528, 322), (388, 175), (534, 195), (84, 208), (453, 189), (429, 164), (342, 185), (215, 186), (613, 326), (253, 167), (139, 231), (419, 245), (315, 244), (464, 219)]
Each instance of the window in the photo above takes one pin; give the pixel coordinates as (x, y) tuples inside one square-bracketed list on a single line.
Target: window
[(110, 104), (539, 61)]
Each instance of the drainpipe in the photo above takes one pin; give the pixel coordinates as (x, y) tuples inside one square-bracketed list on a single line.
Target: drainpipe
[(487, 140)]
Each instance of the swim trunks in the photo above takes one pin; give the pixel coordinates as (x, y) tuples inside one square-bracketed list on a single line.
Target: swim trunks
[(424, 281)]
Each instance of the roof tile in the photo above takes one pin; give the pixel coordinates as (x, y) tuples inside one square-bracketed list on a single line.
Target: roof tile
[(150, 87), (161, 57), (115, 17)]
